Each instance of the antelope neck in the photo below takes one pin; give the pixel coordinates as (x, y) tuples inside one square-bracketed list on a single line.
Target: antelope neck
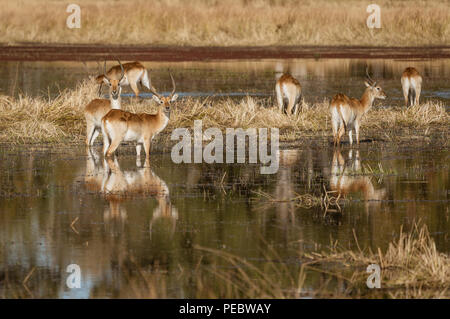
[(367, 99)]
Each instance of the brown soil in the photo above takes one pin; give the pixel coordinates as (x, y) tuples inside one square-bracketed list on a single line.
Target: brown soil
[(39, 52)]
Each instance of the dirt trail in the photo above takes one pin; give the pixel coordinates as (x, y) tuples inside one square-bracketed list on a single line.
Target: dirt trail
[(39, 52)]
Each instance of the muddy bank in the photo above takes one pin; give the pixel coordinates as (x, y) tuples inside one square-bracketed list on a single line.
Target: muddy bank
[(39, 52)]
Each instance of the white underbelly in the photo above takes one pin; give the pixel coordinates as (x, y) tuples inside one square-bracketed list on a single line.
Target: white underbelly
[(131, 136)]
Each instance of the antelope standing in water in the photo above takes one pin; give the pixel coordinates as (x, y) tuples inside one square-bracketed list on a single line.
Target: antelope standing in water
[(346, 113), (344, 181), (411, 85), (118, 125), (98, 108), (288, 88), (118, 186), (135, 72)]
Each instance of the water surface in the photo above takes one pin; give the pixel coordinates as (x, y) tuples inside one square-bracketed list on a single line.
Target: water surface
[(61, 206), (320, 79)]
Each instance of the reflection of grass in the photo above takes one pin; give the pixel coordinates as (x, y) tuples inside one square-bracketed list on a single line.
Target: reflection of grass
[(326, 201), (411, 267), (377, 170), (231, 22), (39, 119)]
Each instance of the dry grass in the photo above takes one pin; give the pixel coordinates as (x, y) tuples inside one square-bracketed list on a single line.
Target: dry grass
[(411, 267), (225, 23), (52, 120)]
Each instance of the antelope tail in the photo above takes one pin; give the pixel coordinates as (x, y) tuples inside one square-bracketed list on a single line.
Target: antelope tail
[(144, 79), (411, 96), (342, 117)]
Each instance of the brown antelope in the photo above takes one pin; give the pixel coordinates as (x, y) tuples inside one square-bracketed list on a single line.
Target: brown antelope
[(346, 113), (118, 186), (411, 85), (118, 125), (344, 181), (134, 72), (98, 108), (288, 88)]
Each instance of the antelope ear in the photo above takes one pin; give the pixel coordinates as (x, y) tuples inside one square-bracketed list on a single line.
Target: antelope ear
[(367, 84), (156, 98), (106, 81), (174, 98)]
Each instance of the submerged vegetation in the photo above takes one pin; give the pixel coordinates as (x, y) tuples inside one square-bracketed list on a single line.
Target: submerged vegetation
[(226, 23), (54, 120)]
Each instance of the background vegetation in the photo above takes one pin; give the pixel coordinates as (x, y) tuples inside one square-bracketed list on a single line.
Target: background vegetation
[(226, 23)]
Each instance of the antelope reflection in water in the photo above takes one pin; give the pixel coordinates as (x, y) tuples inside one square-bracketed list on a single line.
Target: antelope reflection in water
[(117, 186), (346, 179), (285, 186)]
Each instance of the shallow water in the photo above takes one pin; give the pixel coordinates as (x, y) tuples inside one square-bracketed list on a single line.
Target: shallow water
[(125, 225), (59, 206), (319, 78)]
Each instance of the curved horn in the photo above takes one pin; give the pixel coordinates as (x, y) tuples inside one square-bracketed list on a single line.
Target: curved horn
[(104, 71), (372, 82), (173, 84), (123, 71)]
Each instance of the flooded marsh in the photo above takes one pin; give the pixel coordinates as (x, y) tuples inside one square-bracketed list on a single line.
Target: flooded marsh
[(225, 230), (145, 232)]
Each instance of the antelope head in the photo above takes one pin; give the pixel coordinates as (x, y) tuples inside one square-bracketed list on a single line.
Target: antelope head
[(375, 90), (165, 102), (114, 84)]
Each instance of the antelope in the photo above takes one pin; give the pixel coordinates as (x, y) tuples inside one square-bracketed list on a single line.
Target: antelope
[(346, 113), (411, 85), (117, 186), (344, 181), (98, 108), (288, 88), (134, 72), (118, 125)]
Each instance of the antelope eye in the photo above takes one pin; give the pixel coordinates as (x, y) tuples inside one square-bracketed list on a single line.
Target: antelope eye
[(378, 89)]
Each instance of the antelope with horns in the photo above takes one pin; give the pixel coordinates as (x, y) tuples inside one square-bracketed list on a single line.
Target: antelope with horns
[(98, 108), (135, 72), (288, 88), (118, 125), (411, 85), (346, 113)]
